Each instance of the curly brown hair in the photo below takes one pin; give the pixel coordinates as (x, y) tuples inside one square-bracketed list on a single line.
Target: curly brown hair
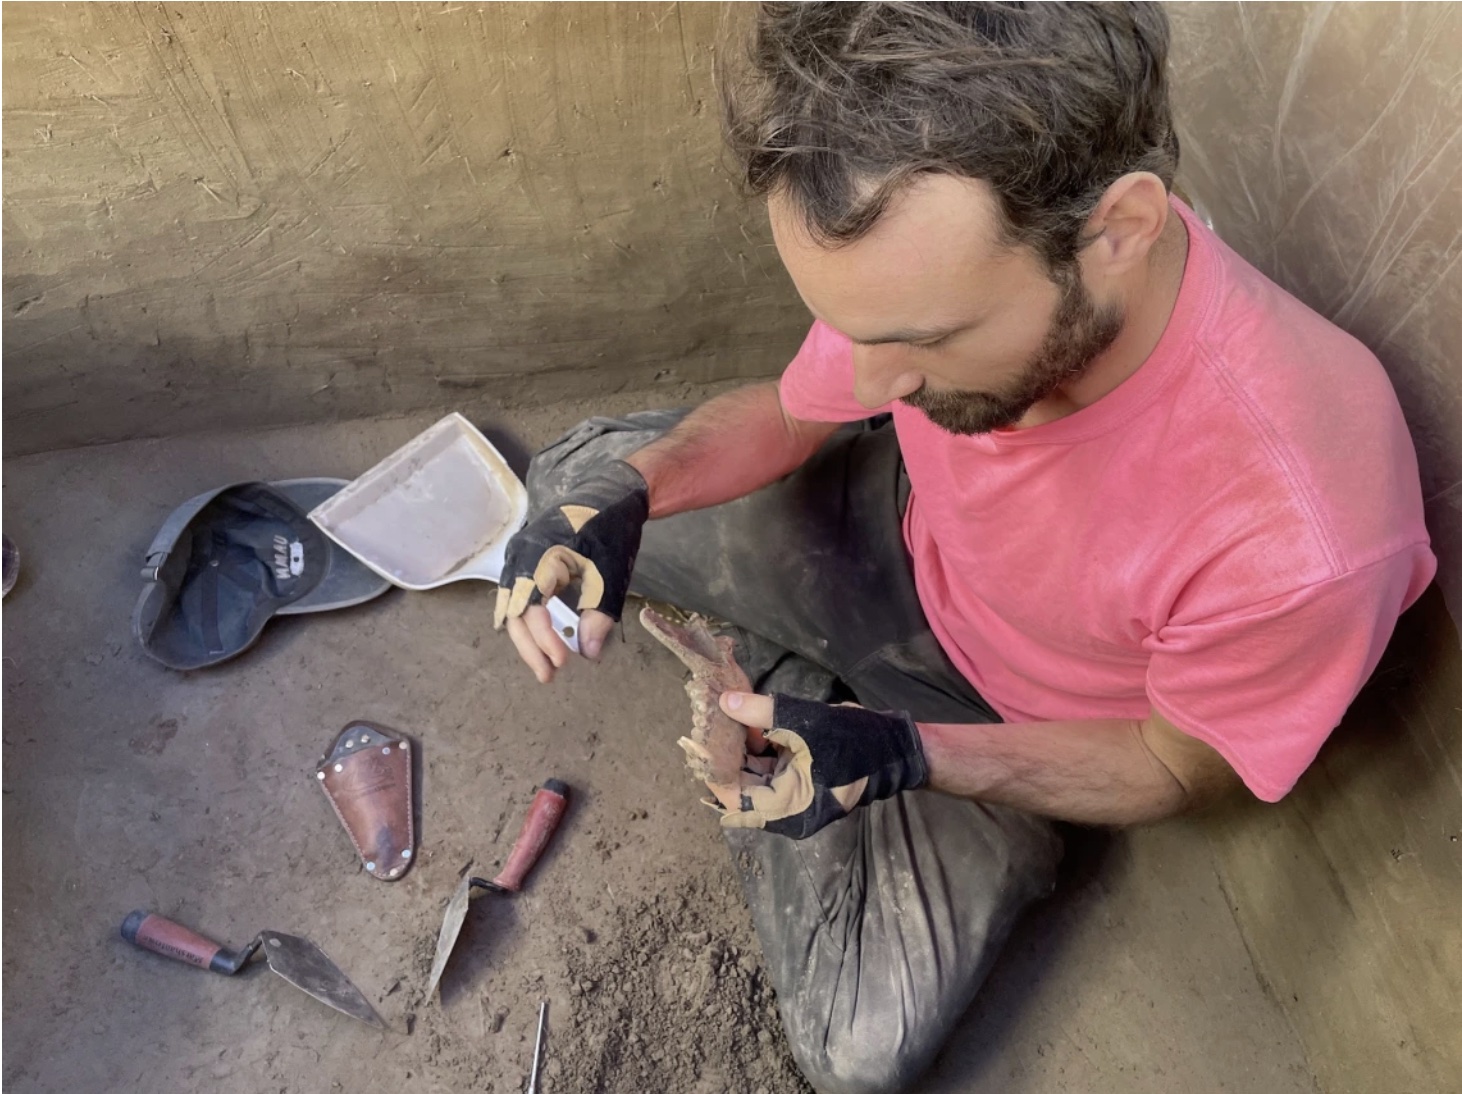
[(838, 106)]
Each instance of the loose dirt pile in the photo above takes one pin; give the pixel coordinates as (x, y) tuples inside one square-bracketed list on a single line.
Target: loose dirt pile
[(672, 999), (674, 1002)]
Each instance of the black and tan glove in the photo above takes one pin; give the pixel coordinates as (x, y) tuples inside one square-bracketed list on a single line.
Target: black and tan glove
[(590, 537), (829, 761)]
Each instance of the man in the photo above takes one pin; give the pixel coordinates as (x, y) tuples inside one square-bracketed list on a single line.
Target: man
[(1124, 526)]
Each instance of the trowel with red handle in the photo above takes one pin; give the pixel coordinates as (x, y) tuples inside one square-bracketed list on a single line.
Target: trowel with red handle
[(543, 817), (296, 959)]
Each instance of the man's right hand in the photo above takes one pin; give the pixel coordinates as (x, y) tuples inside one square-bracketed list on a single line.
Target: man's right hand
[(726, 448), (590, 537)]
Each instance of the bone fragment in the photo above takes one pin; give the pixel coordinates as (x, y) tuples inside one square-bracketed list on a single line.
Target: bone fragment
[(715, 751)]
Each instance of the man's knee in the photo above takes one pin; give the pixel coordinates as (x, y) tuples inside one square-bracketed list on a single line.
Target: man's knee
[(591, 442)]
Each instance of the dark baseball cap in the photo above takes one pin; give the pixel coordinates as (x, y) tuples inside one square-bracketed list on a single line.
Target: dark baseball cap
[(227, 561)]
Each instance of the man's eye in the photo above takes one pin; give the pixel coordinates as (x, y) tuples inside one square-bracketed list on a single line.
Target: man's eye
[(929, 345)]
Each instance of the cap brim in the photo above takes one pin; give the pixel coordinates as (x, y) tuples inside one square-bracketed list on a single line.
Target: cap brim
[(347, 581)]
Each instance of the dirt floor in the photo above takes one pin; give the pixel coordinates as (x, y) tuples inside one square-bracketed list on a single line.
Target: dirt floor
[(129, 786)]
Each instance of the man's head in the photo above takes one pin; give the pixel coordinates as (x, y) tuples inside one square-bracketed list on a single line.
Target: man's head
[(964, 189)]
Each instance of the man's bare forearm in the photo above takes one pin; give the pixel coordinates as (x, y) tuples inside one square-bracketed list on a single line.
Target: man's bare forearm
[(724, 449), (1109, 771)]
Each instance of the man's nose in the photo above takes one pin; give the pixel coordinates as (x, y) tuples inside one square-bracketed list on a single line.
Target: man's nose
[(881, 374)]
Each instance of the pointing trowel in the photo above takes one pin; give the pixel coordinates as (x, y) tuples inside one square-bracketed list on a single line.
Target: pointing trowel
[(543, 817), (296, 959)]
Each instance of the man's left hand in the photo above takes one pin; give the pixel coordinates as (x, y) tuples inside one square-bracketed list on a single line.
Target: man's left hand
[(828, 761)]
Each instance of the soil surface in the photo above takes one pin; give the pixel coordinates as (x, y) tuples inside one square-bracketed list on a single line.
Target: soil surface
[(131, 786)]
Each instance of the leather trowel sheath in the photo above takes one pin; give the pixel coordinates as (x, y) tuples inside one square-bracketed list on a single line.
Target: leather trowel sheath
[(367, 777)]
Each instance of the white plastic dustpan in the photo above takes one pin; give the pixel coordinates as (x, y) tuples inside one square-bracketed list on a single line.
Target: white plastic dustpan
[(441, 508)]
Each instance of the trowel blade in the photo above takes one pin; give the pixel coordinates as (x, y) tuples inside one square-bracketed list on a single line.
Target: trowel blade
[(305, 966), (451, 928)]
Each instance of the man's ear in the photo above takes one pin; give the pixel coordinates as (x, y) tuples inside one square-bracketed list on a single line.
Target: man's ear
[(1126, 223)]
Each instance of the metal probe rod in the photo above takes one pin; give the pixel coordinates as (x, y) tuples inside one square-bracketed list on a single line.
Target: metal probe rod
[(538, 1048)]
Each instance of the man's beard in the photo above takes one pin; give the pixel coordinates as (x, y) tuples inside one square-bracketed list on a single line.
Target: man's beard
[(1079, 333)]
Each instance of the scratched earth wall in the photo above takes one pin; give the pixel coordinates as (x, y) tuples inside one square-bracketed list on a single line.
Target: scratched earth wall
[(249, 214)]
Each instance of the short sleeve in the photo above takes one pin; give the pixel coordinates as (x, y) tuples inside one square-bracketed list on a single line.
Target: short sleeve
[(1266, 684), (818, 385)]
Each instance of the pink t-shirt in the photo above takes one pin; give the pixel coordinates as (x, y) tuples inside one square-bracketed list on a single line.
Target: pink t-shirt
[(1227, 537)]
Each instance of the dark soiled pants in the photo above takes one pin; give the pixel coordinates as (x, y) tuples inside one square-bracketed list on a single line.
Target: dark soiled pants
[(878, 930)]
